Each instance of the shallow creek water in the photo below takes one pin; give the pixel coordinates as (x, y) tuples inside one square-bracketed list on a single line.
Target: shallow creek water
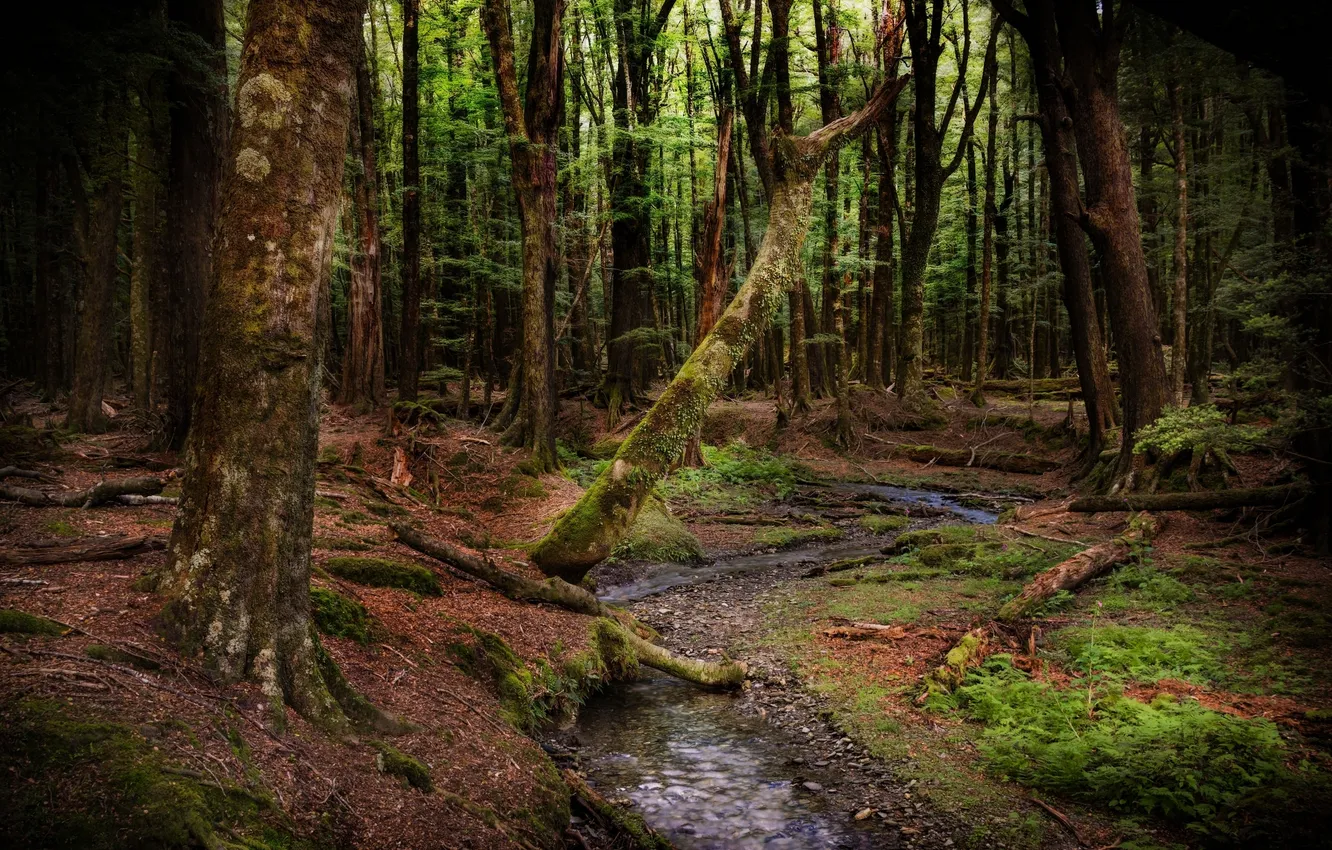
[(702, 773)]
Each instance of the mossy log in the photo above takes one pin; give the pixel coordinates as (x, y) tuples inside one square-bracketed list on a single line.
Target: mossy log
[(1002, 461), (588, 532), (1254, 497), (99, 494), (556, 591), (83, 549), (1082, 567), (950, 675)]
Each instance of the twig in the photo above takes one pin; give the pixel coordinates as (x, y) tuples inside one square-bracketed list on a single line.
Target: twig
[(1063, 820)]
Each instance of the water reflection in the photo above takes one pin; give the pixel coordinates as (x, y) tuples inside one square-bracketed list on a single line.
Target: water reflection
[(707, 777)]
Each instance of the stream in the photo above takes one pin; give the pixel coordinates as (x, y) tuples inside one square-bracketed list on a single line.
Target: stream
[(710, 776)]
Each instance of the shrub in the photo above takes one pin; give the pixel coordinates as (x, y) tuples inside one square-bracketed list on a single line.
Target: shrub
[(1200, 428), (381, 572), (1142, 654)]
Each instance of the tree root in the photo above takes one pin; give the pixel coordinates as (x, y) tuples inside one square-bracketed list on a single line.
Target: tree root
[(556, 591), (100, 494)]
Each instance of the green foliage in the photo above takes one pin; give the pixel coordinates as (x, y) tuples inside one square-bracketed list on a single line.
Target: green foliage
[(60, 528), (1141, 584), (382, 572), (1222, 776), (735, 465), (1199, 428), (883, 523), (338, 616), (14, 621), (411, 772), (1142, 654)]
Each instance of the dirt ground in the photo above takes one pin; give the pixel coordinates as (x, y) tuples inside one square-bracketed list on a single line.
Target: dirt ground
[(494, 785)]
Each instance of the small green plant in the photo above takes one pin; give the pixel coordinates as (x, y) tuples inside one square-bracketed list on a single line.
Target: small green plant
[(1201, 428), (382, 572), (60, 528)]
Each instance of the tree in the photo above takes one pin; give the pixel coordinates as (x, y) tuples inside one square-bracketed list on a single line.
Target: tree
[(987, 240), (363, 360), (1038, 29), (238, 568), (1180, 296), (1090, 36), (925, 30), (198, 115), (532, 126), (409, 339), (585, 535)]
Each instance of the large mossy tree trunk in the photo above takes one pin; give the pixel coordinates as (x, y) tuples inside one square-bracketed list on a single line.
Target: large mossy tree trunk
[(532, 124), (363, 361), (198, 112), (238, 568), (587, 533)]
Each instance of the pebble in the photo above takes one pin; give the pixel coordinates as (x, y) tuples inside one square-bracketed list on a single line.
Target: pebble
[(813, 787)]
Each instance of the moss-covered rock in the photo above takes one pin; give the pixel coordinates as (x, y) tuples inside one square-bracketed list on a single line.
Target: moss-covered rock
[(782, 538), (337, 616), (657, 535), (935, 536), (883, 523), (382, 572), (411, 772), (14, 621), (115, 789)]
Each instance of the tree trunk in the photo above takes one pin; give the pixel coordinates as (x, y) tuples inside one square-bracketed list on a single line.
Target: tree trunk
[(409, 338), (987, 248), (238, 569), (363, 361), (587, 532), (1180, 296), (1091, 49), (533, 127), (96, 219), (148, 274), (198, 97)]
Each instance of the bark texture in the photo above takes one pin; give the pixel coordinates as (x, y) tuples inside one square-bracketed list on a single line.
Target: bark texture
[(1198, 501), (86, 549), (409, 338), (238, 567), (589, 531)]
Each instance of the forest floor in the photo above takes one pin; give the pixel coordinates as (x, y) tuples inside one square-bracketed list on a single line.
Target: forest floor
[(103, 716)]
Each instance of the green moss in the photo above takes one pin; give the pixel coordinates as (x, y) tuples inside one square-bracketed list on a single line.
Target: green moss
[(523, 487), (354, 518), (411, 772), (60, 528), (384, 509), (116, 790), (13, 621), (382, 572), (326, 503), (120, 656), (782, 538), (883, 524), (346, 544), (935, 536), (657, 535), (338, 616)]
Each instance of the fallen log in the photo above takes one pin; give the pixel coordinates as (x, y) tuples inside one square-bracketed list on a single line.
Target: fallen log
[(557, 591), (1082, 567), (948, 676), (83, 549), (99, 494), (1253, 497), (16, 472), (1002, 461)]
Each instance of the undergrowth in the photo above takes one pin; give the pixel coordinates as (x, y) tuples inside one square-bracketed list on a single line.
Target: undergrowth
[(1225, 778)]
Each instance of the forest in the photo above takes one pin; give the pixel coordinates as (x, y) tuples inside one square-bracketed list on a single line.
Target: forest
[(647, 424)]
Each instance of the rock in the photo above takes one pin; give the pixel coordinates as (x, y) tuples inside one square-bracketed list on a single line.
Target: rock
[(812, 787), (864, 814)]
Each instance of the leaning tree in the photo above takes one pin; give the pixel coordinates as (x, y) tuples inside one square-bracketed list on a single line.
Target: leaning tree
[(585, 535)]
